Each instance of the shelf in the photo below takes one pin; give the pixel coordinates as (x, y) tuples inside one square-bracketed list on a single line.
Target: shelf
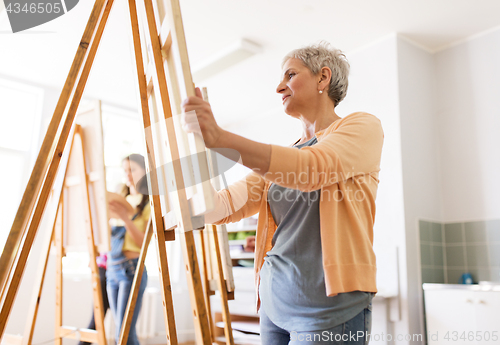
[(240, 339), (236, 250), (242, 255), (245, 329), (243, 326), (254, 228), (237, 242)]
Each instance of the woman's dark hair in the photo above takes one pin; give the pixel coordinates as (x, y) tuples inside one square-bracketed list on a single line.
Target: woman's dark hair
[(142, 185)]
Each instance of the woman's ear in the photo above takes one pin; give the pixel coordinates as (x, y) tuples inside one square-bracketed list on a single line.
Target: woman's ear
[(325, 75)]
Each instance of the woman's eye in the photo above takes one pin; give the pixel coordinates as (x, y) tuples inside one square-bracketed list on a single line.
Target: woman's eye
[(290, 75)]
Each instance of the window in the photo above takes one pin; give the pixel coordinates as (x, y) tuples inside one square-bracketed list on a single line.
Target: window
[(123, 135), (20, 116)]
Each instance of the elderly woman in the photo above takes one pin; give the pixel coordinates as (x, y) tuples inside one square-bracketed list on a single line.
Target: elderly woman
[(314, 262)]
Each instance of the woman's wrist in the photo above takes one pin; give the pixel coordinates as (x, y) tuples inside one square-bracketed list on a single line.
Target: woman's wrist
[(222, 141), (128, 221)]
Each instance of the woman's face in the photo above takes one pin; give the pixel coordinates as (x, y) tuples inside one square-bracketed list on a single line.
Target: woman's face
[(298, 87), (133, 172)]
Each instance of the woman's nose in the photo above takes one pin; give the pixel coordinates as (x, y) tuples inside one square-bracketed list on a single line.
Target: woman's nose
[(281, 87)]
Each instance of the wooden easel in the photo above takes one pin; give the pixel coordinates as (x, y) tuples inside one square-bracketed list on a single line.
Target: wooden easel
[(184, 211), (209, 289), (217, 268), (77, 151), (72, 175)]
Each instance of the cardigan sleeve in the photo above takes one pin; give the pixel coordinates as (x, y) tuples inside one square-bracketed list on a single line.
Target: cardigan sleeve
[(352, 148), (240, 200)]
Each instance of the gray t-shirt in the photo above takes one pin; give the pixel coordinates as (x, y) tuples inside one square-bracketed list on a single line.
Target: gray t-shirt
[(292, 288)]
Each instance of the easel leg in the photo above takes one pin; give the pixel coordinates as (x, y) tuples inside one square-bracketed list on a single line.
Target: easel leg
[(5, 287), (136, 284), (168, 304), (221, 283), (59, 278), (208, 291), (195, 288), (39, 280), (96, 281)]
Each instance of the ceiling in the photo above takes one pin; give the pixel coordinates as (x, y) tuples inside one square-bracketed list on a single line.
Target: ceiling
[(43, 55)]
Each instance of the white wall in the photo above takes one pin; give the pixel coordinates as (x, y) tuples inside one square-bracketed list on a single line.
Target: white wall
[(259, 113), (374, 88), (420, 158), (449, 124), (468, 109)]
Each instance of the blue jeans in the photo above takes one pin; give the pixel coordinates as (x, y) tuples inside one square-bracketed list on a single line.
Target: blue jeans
[(352, 332), (120, 278)]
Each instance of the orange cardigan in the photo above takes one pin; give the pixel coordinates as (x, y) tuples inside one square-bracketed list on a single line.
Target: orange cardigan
[(344, 164)]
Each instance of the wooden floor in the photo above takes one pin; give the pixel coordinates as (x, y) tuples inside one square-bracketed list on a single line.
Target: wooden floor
[(188, 343)]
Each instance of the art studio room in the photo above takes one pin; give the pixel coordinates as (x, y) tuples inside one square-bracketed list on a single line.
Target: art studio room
[(199, 172)]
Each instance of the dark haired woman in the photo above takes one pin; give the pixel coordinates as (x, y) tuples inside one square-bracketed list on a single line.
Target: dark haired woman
[(127, 234)]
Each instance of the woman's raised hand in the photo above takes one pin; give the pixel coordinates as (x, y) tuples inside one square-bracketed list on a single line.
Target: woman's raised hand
[(197, 117), (117, 209)]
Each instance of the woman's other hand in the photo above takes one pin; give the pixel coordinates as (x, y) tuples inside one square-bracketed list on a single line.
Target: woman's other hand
[(197, 117), (119, 210)]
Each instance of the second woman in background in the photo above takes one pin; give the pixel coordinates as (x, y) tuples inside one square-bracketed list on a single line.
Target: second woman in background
[(127, 235)]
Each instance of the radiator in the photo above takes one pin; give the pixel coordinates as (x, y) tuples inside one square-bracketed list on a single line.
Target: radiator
[(146, 321)]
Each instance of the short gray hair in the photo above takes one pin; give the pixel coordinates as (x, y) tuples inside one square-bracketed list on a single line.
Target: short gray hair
[(317, 56)]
